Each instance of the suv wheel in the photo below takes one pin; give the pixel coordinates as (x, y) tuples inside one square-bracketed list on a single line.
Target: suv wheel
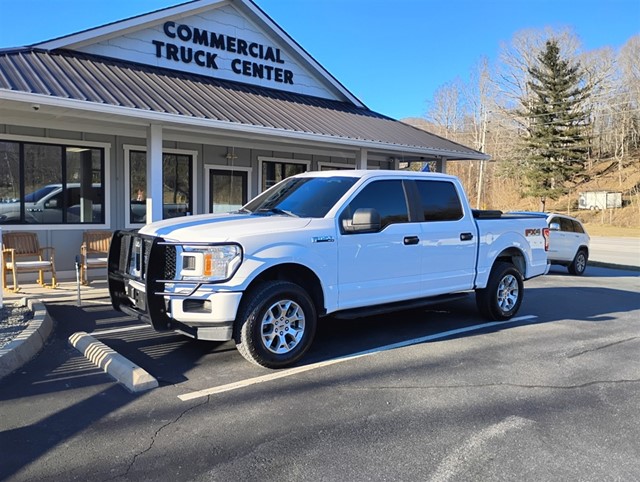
[(579, 263)]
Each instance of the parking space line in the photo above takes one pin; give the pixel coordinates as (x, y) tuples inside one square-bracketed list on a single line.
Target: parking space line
[(295, 371), (118, 330)]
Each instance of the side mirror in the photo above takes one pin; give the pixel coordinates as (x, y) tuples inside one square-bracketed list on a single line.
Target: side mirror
[(365, 220), (52, 204), (554, 227)]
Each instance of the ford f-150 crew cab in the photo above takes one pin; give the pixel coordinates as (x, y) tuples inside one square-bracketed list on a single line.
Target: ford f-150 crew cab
[(340, 243)]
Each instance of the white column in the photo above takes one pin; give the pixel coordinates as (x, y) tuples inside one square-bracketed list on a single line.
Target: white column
[(361, 159), (441, 165), (154, 173)]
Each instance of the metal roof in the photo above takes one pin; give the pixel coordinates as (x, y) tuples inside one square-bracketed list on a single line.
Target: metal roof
[(93, 79)]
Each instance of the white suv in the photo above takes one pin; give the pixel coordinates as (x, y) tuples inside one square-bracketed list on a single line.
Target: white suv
[(568, 241)]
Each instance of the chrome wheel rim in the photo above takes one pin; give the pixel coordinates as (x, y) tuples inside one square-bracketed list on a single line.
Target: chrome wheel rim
[(581, 263), (282, 327), (508, 292)]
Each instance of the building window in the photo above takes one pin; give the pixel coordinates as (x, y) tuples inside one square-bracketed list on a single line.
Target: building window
[(275, 170), (51, 184), (228, 189), (331, 166), (177, 185)]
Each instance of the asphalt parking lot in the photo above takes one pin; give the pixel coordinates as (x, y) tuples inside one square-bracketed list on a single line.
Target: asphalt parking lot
[(422, 395)]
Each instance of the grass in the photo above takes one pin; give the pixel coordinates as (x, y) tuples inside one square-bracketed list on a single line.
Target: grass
[(596, 229)]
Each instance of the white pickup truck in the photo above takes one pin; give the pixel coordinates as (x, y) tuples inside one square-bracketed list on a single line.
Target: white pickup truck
[(46, 205), (340, 243)]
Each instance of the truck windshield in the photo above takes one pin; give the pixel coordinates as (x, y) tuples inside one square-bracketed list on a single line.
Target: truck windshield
[(306, 197)]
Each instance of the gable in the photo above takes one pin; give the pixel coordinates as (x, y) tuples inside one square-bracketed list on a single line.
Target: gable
[(232, 41)]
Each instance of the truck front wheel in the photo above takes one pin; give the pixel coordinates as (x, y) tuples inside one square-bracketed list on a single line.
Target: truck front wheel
[(502, 297), (276, 324)]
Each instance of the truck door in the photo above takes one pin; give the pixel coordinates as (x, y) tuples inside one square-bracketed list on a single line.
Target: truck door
[(382, 266), (448, 239)]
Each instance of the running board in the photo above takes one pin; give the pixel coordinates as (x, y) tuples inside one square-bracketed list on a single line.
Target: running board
[(401, 305)]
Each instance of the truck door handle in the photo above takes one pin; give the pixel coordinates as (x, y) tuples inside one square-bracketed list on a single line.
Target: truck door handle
[(466, 236), (411, 240)]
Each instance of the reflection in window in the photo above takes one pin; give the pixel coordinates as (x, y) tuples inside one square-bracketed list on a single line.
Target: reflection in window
[(227, 190), (274, 172), (176, 186), (311, 197), (35, 190), (331, 167), (386, 197), (9, 173), (84, 184), (440, 201)]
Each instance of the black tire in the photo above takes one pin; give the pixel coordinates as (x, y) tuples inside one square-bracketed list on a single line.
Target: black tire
[(268, 336), (579, 263), (502, 297)]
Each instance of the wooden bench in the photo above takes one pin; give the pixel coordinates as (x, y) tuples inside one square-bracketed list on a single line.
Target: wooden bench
[(94, 252), (22, 253)]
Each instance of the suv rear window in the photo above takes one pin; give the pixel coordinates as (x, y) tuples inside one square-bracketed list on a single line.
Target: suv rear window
[(577, 227)]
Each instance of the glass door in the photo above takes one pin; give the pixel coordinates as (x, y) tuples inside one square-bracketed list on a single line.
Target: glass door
[(228, 190)]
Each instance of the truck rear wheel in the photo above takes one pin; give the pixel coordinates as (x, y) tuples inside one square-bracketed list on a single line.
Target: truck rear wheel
[(276, 324), (502, 297)]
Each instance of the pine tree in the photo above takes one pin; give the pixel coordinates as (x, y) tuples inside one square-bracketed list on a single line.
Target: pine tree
[(557, 144)]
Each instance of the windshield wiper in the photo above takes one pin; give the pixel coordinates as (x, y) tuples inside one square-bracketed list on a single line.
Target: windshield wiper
[(277, 211)]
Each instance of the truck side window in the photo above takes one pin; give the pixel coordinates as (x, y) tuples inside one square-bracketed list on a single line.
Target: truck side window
[(386, 197), (440, 201)]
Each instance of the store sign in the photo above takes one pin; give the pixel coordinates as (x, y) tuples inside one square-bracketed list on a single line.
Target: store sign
[(192, 45)]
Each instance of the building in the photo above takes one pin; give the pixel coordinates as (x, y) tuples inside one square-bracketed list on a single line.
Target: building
[(186, 110)]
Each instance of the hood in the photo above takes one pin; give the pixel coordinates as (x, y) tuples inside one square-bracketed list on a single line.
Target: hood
[(222, 227)]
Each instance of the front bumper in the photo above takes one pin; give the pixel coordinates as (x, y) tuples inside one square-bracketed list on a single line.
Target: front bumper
[(143, 282)]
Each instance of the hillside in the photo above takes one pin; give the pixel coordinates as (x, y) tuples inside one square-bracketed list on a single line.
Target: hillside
[(611, 176), (607, 175)]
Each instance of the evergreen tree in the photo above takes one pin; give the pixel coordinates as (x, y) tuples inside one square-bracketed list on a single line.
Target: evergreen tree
[(557, 144)]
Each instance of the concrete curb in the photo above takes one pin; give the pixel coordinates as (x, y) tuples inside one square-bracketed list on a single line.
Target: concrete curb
[(29, 342), (134, 378), (602, 264)]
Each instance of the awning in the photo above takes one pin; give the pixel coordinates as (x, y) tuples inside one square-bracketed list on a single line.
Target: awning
[(181, 97)]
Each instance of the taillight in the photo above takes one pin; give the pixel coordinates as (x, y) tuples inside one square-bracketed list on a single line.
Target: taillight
[(545, 233)]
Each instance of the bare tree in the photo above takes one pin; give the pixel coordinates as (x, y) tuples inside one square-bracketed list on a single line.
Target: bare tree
[(479, 102), (486, 112), (630, 80), (446, 110), (599, 68)]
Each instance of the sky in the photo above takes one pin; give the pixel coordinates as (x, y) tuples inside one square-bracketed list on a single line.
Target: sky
[(392, 55)]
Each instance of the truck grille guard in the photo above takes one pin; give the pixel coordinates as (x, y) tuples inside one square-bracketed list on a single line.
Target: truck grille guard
[(128, 263)]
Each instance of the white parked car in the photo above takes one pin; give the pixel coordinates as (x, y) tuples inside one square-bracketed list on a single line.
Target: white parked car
[(568, 241)]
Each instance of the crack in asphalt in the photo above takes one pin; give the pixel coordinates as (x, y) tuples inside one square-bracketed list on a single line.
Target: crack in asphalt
[(493, 385), (153, 439), (603, 346)]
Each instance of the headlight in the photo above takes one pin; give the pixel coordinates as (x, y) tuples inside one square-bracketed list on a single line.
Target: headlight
[(210, 263)]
